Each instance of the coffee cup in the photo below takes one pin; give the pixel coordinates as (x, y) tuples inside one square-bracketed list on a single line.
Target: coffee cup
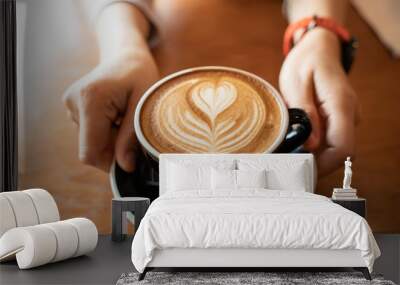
[(217, 109)]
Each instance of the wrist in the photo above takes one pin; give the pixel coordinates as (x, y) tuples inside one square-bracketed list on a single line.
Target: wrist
[(321, 39), (121, 14), (121, 28)]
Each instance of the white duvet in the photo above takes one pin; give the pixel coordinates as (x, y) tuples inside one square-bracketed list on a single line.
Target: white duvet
[(250, 219)]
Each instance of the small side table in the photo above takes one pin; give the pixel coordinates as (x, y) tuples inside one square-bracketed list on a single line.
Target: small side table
[(358, 206), (137, 205)]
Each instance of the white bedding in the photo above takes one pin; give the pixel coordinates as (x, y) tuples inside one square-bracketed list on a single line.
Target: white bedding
[(251, 218)]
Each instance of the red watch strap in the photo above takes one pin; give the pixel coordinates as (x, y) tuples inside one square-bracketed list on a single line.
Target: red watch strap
[(310, 23)]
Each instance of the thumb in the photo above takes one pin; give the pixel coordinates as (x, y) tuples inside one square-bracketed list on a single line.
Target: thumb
[(299, 93)]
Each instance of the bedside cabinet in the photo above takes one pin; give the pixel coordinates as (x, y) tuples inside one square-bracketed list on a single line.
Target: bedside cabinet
[(358, 206), (137, 205)]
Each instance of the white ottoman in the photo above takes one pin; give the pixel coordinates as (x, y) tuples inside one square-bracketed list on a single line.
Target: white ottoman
[(40, 244), (31, 230)]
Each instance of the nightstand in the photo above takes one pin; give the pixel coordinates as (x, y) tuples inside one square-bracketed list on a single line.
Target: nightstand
[(358, 206), (137, 205)]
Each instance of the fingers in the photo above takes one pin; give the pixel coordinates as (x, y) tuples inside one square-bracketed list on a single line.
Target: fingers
[(95, 130), (68, 100), (126, 143), (90, 107), (327, 97), (340, 142), (341, 112), (299, 93), (101, 103)]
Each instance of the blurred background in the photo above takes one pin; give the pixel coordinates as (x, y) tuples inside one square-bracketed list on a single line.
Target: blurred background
[(56, 46)]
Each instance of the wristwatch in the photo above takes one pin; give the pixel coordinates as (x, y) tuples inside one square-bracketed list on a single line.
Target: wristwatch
[(349, 44)]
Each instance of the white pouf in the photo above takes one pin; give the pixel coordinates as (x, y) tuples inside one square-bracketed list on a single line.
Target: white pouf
[(67, 238), (26, 208), (32, 246), (7, 218), (46, 207), (40, 244), (31, 232), (23, 208), (87, 233)]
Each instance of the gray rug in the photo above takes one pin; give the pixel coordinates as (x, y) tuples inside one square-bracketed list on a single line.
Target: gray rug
[(268, 278)]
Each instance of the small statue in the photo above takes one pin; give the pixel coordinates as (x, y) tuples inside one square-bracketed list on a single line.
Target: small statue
[(347, 192), (347, 174)]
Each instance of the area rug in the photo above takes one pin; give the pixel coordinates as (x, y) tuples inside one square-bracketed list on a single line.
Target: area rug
[(244, 278)]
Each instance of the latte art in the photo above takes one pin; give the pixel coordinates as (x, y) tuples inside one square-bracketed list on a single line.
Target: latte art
[(211, 114)]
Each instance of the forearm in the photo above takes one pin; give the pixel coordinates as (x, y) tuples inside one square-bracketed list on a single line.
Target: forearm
[(334, 9), (121, 28)]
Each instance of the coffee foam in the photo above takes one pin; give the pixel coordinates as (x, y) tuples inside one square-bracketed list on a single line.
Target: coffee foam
[(211, 112)]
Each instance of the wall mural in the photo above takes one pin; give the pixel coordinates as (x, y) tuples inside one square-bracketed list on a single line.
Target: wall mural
[(217, 110)]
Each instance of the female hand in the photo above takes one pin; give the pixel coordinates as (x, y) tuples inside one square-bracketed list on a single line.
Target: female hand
[(103, 103), (312, 78)]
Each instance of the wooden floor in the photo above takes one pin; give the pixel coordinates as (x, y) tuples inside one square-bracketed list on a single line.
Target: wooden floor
[(50, 141)]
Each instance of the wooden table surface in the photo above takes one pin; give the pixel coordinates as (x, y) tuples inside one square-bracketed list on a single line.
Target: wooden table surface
[(195, 36)]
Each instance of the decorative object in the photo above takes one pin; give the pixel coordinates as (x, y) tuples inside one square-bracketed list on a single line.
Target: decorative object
[(137, 205), (249, 278), (348, 173), (31, 231), (346, 192)]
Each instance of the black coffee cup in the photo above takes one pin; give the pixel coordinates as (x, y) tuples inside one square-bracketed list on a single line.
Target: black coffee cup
[(295, 128)]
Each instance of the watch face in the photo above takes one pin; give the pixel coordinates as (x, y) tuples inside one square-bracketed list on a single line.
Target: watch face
[(348, 53)]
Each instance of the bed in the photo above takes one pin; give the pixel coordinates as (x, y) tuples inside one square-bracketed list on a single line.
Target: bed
[(281, 224)]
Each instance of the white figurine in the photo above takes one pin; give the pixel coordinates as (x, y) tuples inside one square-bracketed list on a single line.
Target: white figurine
[(347, 174)]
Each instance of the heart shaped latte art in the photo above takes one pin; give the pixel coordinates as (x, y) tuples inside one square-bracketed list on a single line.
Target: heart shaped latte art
[(213, 99), (210, 116)]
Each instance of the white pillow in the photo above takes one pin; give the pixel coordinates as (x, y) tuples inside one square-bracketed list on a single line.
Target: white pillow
[(223, 179), (181, 177), (289, 175), (235, 179), (292, 179), (251, 178)]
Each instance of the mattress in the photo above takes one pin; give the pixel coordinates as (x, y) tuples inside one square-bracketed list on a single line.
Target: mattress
[(250, 219)]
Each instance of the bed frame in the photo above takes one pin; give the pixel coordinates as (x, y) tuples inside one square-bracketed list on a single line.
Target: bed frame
[(249, 259), (234, 259)]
